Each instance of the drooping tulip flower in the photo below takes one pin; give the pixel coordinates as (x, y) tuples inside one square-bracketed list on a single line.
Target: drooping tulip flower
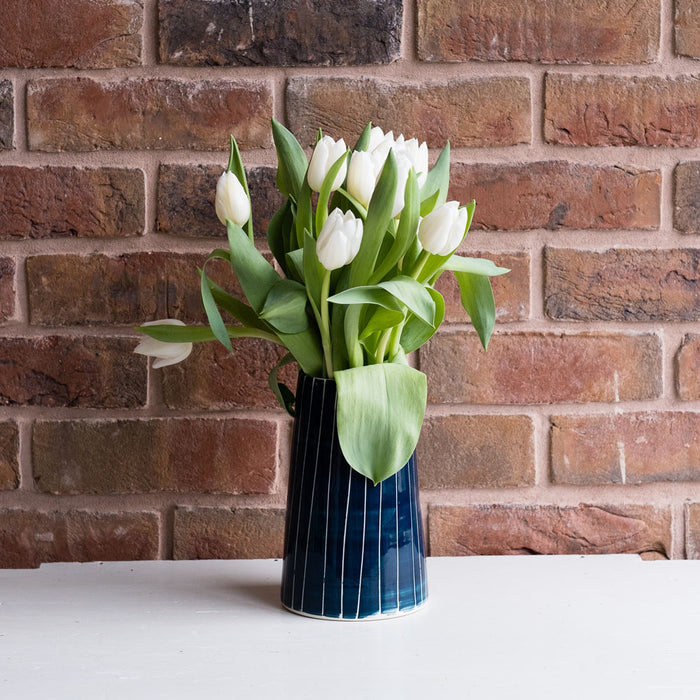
[(441, 231), (339, 240), (231, 200), (326, 152), (165, 353)]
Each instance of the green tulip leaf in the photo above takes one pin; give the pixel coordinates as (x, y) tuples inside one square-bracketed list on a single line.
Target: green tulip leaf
[(235, 165), (475, 266), (380, 411), (477, 299), (282, 392), (306, 348), (438, 179), (278, 235), (380, 320), (291, 161), (255, 274), (285, 307), (216, 323), (363, 141), (375, 226), (313, 272), (295, 263), (325, 194), (417, 332)]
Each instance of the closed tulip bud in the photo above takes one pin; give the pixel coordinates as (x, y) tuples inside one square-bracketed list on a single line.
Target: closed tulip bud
[(339, 240), (441, 231), (326, 152), (362, 176), (416, 154), (231, 200), (165, 353)]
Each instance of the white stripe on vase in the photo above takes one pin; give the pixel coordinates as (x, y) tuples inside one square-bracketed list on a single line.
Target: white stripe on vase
[(362, 558), (328, 503), (345, 539), (413, 542), (396, 519)]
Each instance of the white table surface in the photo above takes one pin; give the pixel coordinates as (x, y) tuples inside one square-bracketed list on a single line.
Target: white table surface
[(495, 627)]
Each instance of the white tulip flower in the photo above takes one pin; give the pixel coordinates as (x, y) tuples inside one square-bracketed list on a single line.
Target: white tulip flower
[(441, 231), (231, 200), (165, 353), (362, 176), (339, 240), (326, 152), (415, 153)]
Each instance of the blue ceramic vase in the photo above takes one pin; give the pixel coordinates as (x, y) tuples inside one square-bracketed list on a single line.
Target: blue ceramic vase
[(352, 550)]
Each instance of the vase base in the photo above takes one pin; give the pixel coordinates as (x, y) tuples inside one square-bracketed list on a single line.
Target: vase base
[(367, 618)]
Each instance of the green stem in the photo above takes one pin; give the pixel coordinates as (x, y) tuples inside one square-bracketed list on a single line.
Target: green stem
[(381, 347), (351, 327), (326, 325), (420, 264)]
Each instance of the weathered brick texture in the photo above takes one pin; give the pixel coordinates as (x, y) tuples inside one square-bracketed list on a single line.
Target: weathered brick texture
[(9, 458), (82, 114), (127, 289), (282, 33), (76, 372), (70, 33), (228, 533), (197, 455), (549, 529), (530, 368), (7, 288), (458, 452), (7, 117), (186, 199), (610, 110), (687, 27), (557, 194), (59, 202), (29, 538), (511, 291), (621, 31), (214, 378), (630, 448), (688, 368), (692, 525), (686, 209), (623, 284), (498, 109)]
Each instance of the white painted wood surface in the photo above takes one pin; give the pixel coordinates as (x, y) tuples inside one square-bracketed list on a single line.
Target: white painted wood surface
[(494, 627)]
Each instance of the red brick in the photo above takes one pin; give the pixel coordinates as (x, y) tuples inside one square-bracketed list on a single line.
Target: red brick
[(557, 194), (9, 456), (687, 27), (70, 33), (228, 533), (609, 110), (629, 448), (498, 109), (68, 371), (692, 530), (548, 529), (186, 200), (81, 114), (460, 452), (67, 290), (29, 538), (688, 368), (623, 284), (283, 33), (216, 379), (511, 291), (528, 368), (183, 455), (686, 205), (562, 32), (7, 119), (7, 289), (58, 202)]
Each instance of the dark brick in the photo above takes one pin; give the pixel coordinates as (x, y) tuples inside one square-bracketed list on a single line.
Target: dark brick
[(184, 455), (58, 202), (76, 372), (186, 199), (280, 33), (688, 368), (7, 289), (7, 119), (29, 538), (9, 456), (686, 206)]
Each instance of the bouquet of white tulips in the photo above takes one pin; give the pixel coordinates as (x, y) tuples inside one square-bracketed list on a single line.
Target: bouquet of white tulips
[(353, 290)]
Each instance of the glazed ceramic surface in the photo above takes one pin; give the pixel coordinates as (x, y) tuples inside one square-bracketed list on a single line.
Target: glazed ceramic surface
[(352, 550)]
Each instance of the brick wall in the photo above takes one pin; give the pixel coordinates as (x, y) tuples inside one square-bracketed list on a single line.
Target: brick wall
[(576, 130)]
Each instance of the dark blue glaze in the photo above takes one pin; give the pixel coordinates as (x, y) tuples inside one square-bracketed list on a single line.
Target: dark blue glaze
[(352, 550)]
